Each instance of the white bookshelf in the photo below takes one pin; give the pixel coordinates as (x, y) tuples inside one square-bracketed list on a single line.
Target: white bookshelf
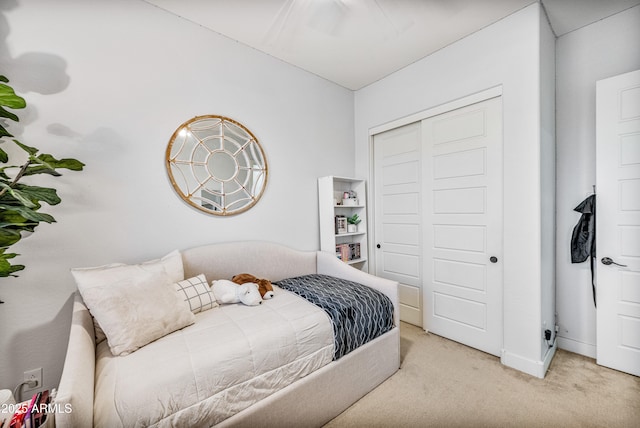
[(330, 204)]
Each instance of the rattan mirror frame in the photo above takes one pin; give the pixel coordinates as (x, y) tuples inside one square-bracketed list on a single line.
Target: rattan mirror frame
[(189, 163)]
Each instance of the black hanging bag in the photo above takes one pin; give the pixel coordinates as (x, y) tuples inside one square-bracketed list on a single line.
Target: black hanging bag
[(583, 238)]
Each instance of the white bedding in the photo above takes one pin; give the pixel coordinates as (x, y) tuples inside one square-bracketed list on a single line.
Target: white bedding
[(225, 362)]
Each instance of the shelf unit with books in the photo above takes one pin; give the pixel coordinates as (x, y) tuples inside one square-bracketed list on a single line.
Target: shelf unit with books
[(340, 198)]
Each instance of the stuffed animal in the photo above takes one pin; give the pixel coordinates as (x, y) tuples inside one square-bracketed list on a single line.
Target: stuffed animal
[(264, 285), (230, 292)]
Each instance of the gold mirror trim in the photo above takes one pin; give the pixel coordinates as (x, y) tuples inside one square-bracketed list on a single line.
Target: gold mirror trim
[(194, 176)]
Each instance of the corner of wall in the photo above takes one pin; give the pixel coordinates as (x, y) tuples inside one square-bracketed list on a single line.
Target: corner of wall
[(532, 367), (547, 73)]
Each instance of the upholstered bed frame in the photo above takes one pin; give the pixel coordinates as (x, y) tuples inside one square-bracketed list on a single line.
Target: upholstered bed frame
[(310, 401)]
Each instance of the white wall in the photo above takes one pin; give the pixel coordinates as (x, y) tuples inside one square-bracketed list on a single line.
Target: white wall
[(547, 180), (107, 82), (508, 54), (603, 49)]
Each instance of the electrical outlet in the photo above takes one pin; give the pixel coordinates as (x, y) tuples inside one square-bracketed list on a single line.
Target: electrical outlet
[(35, 374)]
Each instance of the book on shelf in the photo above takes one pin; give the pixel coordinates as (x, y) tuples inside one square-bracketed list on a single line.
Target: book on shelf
[(354, 251), (348, 252), (342, 252), (340, 224)]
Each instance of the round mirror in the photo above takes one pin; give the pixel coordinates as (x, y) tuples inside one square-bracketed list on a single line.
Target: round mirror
[(216, 165)]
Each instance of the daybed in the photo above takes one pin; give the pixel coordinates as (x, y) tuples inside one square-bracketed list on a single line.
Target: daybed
[(321, 389)]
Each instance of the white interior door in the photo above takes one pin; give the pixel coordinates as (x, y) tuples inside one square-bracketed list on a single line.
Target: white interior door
[(618, 222), (398, 215), (463, 273)]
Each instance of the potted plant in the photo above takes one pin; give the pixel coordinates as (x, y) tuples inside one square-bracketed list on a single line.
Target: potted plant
[(20, 203), (353, 222)]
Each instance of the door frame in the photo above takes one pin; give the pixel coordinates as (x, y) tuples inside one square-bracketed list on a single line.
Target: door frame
[(455, 104)]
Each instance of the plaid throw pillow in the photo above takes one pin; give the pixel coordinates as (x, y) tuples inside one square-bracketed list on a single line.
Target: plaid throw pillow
[(197, 293)]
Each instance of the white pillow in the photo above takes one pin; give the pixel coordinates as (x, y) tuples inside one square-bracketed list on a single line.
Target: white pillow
[(99, 276), (197, 293), (137, 310), (171, 265)]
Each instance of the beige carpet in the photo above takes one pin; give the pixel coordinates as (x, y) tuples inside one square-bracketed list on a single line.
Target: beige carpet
[(444, 384)]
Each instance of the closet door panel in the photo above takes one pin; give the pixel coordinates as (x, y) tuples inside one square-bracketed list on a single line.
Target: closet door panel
[(462, 233)]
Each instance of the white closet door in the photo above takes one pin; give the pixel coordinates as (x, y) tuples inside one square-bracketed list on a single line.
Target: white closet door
[(463, 203), (618, 222), (398, 215)]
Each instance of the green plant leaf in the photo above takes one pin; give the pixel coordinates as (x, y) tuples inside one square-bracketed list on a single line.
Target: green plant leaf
[(4, 157), (7, 255), (31, 150), (37, 193), (4, 79), (19, 196), (6, 268), (47, 164), (41, 169), (71, 164), (8, 115), (9, 237), (19, 226), (8, 97), (10, 217), (28, 213), (353, 219), (4, 132)]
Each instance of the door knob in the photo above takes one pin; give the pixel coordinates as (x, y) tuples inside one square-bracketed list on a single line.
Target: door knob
[(609, 261), (378, 246), (493, 259)]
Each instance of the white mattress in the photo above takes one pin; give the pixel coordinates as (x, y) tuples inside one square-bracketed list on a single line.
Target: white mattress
[(232, 357)]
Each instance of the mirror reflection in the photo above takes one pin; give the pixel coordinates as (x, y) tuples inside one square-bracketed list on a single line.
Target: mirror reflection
[(216, 165)]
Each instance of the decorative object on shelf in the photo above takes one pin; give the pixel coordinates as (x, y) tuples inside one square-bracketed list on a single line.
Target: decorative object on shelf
[(353, 222), (20, 203), (350, 198), (341, 224), (216, 165)]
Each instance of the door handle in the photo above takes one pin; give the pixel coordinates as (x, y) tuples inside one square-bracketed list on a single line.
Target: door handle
[(493, 259), (609, 261), (378, 246)]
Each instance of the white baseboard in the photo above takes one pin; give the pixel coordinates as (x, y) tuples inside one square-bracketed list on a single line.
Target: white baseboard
[(534, 368), (577, 347), (546, 362)]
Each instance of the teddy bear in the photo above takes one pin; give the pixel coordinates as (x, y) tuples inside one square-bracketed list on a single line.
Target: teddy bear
[(226, 291), (264, 285)]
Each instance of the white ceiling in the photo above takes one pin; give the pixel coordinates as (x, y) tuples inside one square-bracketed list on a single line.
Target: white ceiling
[(357, 42)]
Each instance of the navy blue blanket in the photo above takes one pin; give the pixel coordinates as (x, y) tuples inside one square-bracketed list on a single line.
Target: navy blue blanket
[(358, 313)]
